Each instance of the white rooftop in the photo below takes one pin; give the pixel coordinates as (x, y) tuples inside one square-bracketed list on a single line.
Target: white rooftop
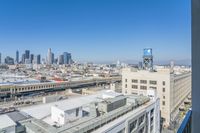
[(6, 121), (42, 111)]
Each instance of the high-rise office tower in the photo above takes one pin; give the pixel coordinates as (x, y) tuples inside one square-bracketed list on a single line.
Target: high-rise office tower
[(17, 57), (27, 54), (56, 61), (61, 59), (38, 59), (23, 58), (49, 57), (67, 58), (31, 59), (9, 60), (52, 58)]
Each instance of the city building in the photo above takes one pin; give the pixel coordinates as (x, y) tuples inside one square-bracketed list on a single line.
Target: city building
[(31, 58), (104, 112), (27, 61), (172, 88), (17, 57), (49, 57), (67, 58), (38, 59), (61, 59), (172, 85), (7, 125), (52, 58), (23, 59), (27, 54), (9, 60)]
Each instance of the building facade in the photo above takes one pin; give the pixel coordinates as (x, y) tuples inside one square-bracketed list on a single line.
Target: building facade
[(49, 57), (104, 112), (172, 88), (9, 60), (17, 57)]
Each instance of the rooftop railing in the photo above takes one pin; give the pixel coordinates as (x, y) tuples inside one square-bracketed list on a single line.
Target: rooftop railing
[(185, 126)]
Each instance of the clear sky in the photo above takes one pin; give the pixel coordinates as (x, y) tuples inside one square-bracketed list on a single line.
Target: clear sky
[(97, 30)]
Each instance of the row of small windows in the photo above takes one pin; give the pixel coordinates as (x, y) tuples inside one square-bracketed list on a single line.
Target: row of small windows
[(5, 89), (35, 87), (142, 87), (136, 87), (152, 82)]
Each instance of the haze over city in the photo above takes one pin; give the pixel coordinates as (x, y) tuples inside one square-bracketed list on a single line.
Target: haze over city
[(98, 32)]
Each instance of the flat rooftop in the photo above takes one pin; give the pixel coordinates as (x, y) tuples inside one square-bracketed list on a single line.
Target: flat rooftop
[(44, 110), (6, 121)]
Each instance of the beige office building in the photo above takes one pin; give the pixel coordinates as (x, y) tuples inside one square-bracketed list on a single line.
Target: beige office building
[(171, 87)]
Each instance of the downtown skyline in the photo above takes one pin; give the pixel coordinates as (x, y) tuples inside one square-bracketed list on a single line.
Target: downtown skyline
[(93, 31)]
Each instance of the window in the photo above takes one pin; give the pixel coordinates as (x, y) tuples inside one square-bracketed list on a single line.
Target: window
[(141, 130), (143, 87), (152, 82), (152, 111), (125, 85), (153, 87), (134, 86), (163, 89), (163, 83), (77, 111), (163, 103), (151, 120), (133, 126), (141, 120), (163, 97), (134, 93), (143, 81), (134, 81), (126, 80)]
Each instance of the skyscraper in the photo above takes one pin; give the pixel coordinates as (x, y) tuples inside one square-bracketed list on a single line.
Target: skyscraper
[(23, 58), (61, 59), (52, 58), (17, 57), (9, 60), (67, 58), (38, 59), (27, 54), (49, 57), (32, 56)]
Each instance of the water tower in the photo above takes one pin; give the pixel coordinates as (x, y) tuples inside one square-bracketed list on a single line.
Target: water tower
[(147, 59)]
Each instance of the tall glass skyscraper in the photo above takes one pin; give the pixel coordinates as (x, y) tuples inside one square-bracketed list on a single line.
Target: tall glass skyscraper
[(27, 54), (49, 57), (38, 59), (17, 57), (67, 58), (32, 56), (61, 59)]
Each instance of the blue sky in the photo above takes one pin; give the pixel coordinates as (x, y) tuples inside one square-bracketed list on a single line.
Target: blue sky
[(97, 30)]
